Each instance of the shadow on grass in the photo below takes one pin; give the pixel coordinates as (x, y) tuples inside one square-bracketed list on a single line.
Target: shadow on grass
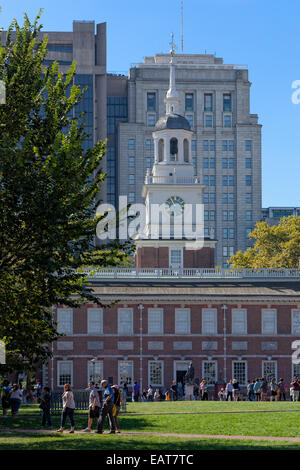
[(11, 441)]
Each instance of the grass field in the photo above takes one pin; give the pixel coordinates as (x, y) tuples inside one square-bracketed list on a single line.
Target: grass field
[(277, 419)]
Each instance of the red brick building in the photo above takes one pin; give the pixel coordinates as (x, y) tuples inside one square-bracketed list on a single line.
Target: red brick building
[(228, 326)]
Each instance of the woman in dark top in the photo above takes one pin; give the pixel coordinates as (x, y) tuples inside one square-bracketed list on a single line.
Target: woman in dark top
[(117, 406)]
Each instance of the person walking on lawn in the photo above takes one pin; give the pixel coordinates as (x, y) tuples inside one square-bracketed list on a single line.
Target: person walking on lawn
[(45, 406), (5, 398), (68, 408), (117, 406), (107, 409), (15, 397), (94, 406)]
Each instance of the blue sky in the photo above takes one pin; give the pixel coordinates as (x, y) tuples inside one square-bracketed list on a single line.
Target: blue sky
[(262, 34)]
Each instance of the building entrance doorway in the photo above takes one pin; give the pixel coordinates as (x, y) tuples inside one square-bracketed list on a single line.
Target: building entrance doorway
[(181, 368)]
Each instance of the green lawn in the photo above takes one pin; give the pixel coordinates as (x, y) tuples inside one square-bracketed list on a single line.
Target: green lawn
[(196, 418)]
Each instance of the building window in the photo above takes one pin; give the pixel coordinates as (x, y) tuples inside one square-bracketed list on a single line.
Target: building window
[(131, 197), (131, 179), (209, 371), (194, 145), (155, 372), (228, 198), (182, 321), (208, 102), (227, 120), (209, 198), (212, 180), (209, 321), (269, 322), (231, 233), (151, 120), (189, 102), (65, 321), (248, 180), (149, 145), (248, 162), (95, 320), (248, 231), (208, 120), (212, 145), (64, 373), (227, 102), (295, 321), (269, 370), (239, 321), (205, 145), (131, 162), (95, 371), (230, 180), (212, 215), (248, 145), (148, 162), (239, 371), (131, 144), (296, 370), (155, 321), (212, 163), (125, 372), (151, 101), (228, 251), (176, 257), (125, 321), (248, 198), (248, 215), (225, 180), (205, 162), (231, 145)]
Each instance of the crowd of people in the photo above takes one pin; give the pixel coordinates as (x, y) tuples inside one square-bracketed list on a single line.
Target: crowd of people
[(106, 403)]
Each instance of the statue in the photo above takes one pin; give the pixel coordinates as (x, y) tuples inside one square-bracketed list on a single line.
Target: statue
[(188, 378)]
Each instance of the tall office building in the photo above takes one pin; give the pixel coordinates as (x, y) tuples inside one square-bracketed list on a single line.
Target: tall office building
[(226, 145)]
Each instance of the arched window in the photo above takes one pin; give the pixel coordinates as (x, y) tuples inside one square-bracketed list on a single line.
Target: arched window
[(186, 150), (161, 150), (174, 149)]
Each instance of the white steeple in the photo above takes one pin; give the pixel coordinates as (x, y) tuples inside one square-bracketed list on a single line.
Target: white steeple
[(172, 98)]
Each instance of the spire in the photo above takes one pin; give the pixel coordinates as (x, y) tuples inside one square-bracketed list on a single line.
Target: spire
[(172, 98)]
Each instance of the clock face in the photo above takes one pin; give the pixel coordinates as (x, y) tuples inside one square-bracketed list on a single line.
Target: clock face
[(175, 205)]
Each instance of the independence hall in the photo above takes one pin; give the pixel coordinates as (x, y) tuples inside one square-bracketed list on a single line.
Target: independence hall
[(175, 307)]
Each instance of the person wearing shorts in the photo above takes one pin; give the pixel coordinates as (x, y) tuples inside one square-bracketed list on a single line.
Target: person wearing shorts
[(94, 406), (274, 390)]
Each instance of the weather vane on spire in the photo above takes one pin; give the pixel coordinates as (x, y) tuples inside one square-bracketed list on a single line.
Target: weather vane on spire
[(173, 45)]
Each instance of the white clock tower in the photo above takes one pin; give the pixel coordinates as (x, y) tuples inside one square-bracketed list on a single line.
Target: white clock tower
[(173, 195)]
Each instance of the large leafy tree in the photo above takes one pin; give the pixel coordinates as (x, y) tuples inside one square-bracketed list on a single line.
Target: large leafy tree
[(48, 191), (276, 246)]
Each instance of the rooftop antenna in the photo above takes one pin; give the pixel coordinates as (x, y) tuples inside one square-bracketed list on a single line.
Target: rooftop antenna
[(181, 26)]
